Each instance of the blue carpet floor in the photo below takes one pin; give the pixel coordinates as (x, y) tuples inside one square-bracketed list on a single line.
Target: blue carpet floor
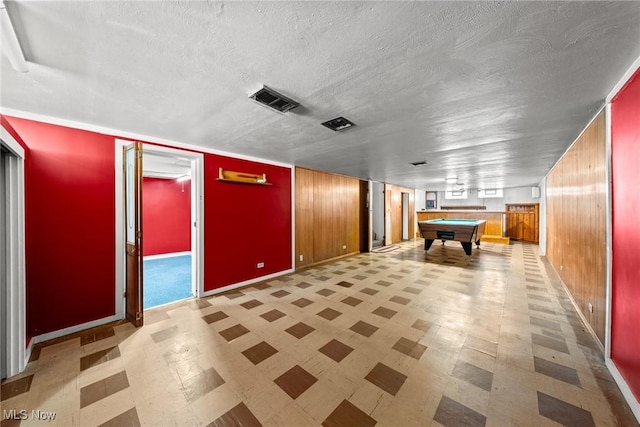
[(166, 280)]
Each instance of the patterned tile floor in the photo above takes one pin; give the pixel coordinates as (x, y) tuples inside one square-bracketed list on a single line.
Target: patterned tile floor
[(401, 338)]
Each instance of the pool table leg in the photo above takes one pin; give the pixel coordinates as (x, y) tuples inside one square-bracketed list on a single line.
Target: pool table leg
[(467, 247), (427, 244), (478, 243)]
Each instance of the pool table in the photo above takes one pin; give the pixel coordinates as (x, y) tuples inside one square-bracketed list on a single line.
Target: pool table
[(465, 231)]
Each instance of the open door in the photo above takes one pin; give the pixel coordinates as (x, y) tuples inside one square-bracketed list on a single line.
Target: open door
[(133, 232)]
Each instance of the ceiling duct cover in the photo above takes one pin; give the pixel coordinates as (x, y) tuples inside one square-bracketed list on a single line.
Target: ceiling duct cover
[(274, 100), (339, 123), (420, 163)]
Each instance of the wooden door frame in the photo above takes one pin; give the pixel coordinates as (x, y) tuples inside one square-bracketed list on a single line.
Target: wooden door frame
[(197, 214)]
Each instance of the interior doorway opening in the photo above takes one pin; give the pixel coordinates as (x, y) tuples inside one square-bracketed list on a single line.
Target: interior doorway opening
[(377, 214), (130, 288), (168, 261), (365, 216), (405, 216)]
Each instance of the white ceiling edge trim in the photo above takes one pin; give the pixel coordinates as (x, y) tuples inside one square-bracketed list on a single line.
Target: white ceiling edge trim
[(584, 129), (134, 136), (623, 80)]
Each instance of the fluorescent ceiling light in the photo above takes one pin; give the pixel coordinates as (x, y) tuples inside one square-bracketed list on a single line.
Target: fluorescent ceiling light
[(452, 179), (10, 43)]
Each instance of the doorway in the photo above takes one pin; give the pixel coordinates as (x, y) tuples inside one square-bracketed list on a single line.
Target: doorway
[(166, 217), (377, 213), (405, 216), (365, 216), (13, 353), (186, 164)]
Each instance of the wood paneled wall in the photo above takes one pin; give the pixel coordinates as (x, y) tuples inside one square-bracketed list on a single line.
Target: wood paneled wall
[(576, 222), (393, 213), (327, 216), (304, 211)]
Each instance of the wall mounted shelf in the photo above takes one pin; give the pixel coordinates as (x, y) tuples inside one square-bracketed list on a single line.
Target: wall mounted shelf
[(242, 178)]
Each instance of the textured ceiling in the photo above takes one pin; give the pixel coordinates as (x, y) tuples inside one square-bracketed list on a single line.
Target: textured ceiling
[(490, 92), (165, 166)]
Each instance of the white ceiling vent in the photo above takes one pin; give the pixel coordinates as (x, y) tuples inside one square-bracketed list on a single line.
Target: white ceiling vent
[(274, 100)]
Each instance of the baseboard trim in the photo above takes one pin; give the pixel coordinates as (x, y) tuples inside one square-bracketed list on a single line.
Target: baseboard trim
[(72, 329), (582, 317), (246, 283), (624, 388), (611, 367), (586, 323), (490, 238), (27, 354), (325, 261)]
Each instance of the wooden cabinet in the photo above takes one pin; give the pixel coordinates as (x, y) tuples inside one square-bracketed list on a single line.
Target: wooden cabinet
[(523, 221)]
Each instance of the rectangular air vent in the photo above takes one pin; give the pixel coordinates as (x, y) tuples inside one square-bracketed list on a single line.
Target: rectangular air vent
[(339, 123), (274, 100)]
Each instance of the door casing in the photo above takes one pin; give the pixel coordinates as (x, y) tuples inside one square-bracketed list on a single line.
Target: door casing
[(13, 295), (197, 213)]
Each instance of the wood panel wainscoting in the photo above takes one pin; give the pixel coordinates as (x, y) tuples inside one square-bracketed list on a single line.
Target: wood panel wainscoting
[(523, 221), (493, 228), (576, 223), (327, 216)]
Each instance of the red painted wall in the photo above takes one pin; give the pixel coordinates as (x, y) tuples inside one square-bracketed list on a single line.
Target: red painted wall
[(245, 224), (166, 216), (625, 158), (69, 225)]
